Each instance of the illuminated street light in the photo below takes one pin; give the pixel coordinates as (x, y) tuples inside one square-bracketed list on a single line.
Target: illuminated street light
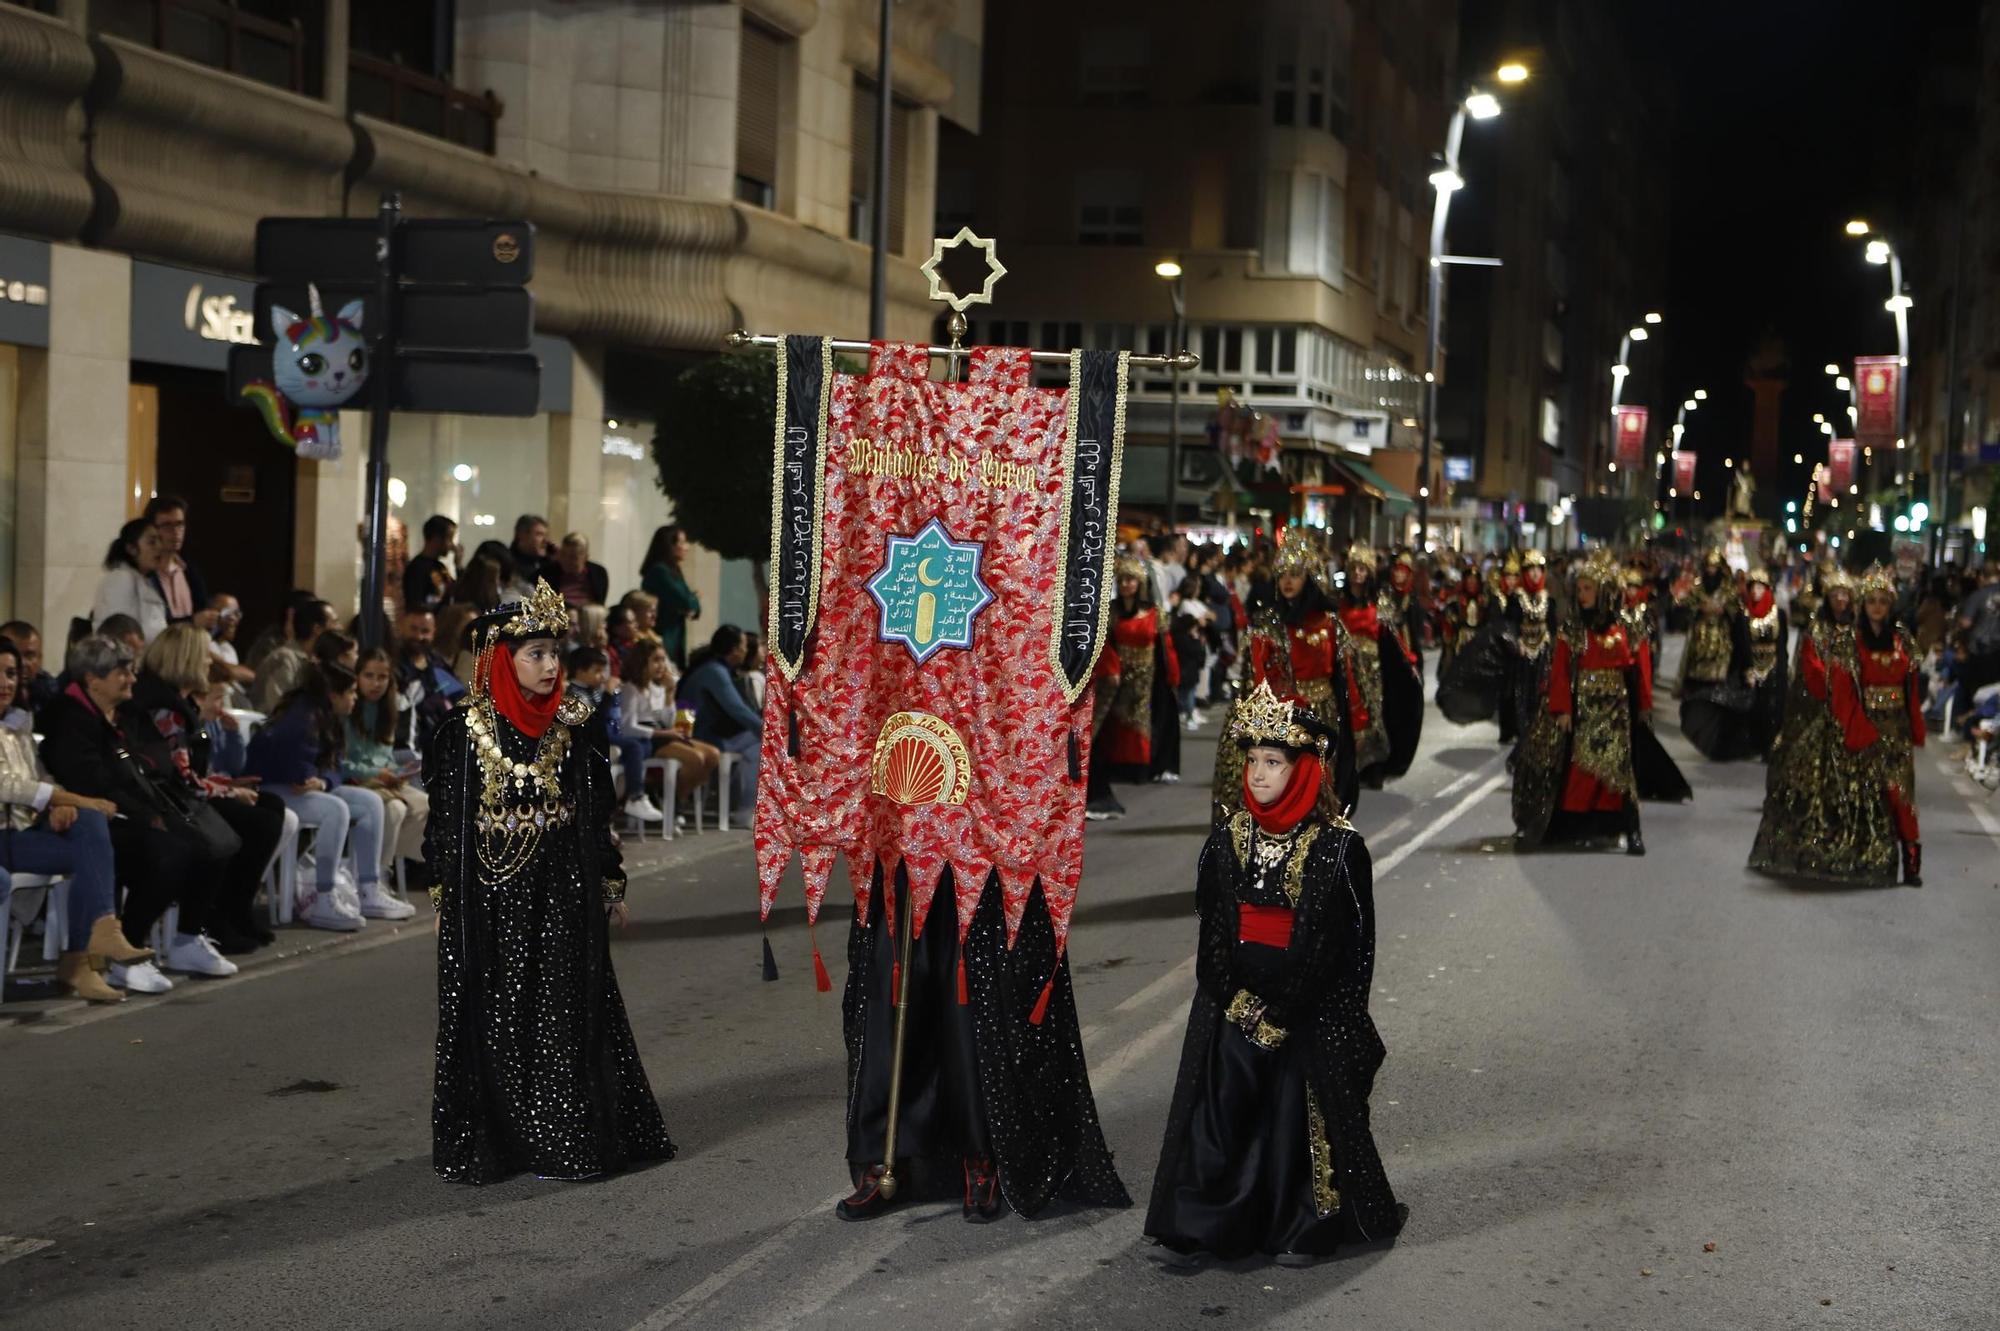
[(1826, 428), (1638, 335), (1512, 72), (1844, 384), (1798, 458), (1857, 228), (1446, 180), (1818, 419), (1729, 462), (1654, 316), (1167, 268), (1482, 106), (1690, 405), (1833, 371), (1701, 395), (1897, 303), (1620, 371), (1878, 251)]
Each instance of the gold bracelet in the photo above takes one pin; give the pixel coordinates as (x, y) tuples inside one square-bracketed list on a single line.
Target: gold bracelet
[(437, 898), (614, 891)]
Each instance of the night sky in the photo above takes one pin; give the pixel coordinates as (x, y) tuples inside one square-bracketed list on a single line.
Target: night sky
[(1793, 116)]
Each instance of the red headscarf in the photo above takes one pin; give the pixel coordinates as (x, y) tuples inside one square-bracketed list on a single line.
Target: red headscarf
[(1291, 808), (531, 716)]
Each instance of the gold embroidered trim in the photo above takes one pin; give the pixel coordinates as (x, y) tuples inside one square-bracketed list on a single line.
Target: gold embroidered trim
[(1295, 872), (1106, 594), (1246, 1013), (508, 839), (1326, 1197), (788, 668)]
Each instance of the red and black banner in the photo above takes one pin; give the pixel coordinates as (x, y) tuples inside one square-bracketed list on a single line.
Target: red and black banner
[(1629, 438), (1876, 381), (1684, 471)]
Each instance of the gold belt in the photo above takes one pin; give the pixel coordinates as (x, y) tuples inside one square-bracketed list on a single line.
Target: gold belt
[(1883, 697), (521, 819), (1602, 683)]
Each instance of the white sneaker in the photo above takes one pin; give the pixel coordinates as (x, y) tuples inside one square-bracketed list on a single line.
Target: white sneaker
[(1196, 720), (143, 978), (194, 954), (335, 908), (377, 903), (1167, 779), (644, 810)]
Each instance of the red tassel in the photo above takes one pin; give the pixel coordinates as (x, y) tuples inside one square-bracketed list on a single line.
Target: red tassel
[(1042, 1003), (821, 979), (963, 997), (895, 982)]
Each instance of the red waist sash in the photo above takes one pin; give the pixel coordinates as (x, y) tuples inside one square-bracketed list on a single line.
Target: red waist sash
[(1270, 926)]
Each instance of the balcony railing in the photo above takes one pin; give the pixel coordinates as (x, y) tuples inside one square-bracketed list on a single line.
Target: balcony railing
[(213, 33), (402, 96)]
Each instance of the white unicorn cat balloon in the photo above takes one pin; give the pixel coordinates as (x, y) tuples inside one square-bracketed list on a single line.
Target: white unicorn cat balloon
[(319, 365)]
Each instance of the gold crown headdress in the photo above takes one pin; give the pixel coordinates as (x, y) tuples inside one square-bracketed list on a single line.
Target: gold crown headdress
[(1877, 582), (1837, 579), (1261, 717), (1513, 564), (1130, 566), (1361, 555), (1535, 559), (1758, 573), (543, 615), (1600, 568), (1298, 553)]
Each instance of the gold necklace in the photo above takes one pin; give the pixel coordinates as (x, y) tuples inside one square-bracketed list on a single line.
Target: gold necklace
[(511, 831)]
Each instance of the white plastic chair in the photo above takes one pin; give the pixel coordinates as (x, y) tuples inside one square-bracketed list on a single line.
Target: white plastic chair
[(670, 783), (281, 875), (52, 904)]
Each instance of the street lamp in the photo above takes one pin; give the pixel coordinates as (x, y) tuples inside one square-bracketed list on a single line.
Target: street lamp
[(1857, 228), (1880, 251), (1477, 104), (1169, 271)]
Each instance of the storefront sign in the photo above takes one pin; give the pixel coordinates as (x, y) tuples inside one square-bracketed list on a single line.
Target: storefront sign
[(184, 317), (1876, 379), (1458, 471), (24, 292)]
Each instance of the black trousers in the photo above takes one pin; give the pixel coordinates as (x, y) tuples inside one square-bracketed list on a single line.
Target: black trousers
[(161, 867), (261, 825)]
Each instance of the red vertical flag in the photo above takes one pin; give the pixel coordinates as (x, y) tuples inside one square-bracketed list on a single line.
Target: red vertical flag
[(1630, 437), (1684, 470), (1839, 467), (1876, 379)]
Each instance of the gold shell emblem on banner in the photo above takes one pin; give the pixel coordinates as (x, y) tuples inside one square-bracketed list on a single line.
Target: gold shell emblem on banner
[(920, 760)]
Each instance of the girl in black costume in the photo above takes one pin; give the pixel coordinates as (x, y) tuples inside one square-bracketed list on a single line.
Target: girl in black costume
[(536, 1068), (1268, 1148)]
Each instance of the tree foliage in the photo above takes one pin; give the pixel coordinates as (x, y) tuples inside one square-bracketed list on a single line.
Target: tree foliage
[(713, 450)]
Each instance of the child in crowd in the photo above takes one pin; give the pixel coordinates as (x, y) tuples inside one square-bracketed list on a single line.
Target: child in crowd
[(378, 757)]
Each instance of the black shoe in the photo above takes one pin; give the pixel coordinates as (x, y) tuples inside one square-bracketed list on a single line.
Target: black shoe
[(1634, 843), (1913, 864), (1298, 1260), (249, 926), (1185, 1259), (229, 941), (866, 1202)]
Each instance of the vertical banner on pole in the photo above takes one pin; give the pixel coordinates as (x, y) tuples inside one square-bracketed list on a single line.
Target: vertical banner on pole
[(1684, 470), (1876, 379), (1630, 443), (1839, 468)]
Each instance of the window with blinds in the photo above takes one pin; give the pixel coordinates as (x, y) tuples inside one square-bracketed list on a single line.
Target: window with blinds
[(760, 59), (861, 172)]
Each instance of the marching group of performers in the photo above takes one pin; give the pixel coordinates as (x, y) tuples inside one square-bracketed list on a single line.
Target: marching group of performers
[(1268, 1148)]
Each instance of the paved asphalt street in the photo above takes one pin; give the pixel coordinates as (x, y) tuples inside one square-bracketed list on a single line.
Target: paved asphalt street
[(1598, 1067)]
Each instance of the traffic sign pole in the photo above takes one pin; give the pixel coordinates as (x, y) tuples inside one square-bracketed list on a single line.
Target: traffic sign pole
[(381, 403)]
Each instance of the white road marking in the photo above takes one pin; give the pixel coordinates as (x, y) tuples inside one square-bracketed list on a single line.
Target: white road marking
[(12, 1248), (1387, 864)]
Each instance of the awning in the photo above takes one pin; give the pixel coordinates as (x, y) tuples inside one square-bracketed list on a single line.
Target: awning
[(1372, 483)]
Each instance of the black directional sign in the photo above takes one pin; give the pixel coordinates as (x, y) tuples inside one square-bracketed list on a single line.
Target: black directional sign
[(466, 253), (317, 249), (445, 318), (480, 383)]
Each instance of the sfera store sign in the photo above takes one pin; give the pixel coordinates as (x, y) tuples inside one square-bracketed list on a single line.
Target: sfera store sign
[(24, 291), (184, 317), (218, 317)]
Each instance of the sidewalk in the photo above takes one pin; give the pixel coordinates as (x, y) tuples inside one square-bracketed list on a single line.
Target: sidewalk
[(31, 1000)]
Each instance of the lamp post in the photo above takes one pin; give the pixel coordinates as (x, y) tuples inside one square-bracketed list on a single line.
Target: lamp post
[(1169, 271), (1622, 368), (1880, 251), (1446, 181)]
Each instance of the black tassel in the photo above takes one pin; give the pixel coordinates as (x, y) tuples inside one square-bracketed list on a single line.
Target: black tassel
[(770, 962), (1075, 761)]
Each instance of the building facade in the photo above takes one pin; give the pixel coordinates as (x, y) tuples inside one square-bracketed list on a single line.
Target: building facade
[(1281, 160), (1567, 190), (690, 167)]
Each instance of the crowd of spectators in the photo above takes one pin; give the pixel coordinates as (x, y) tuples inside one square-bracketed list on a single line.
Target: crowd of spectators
[(164, 769)]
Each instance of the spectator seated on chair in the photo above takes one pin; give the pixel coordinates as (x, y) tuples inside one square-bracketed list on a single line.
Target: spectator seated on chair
[(164, 852), (424, 678), (589, 673), (722, 718), (647, 702), (283, 663), (163, 723), (45, 829), (38, 686), (298, 756), (378, 758)]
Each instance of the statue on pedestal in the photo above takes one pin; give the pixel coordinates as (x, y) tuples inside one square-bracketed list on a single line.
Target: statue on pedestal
[(1742, 492)]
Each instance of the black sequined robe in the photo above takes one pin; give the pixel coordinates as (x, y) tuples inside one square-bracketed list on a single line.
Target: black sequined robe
[(981, 1079), (1269, 1150), (536, 1067)]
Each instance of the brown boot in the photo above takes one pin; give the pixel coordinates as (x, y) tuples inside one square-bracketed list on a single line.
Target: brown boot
[(107, 940), (75, 975)]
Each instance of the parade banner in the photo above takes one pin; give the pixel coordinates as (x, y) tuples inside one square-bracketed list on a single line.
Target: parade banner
[(1839, 468), (1630, 437), (1684, 471), (940, 591), (1876, 379)]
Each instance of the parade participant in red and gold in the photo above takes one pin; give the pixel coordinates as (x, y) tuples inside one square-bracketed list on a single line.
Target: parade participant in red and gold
[(1137, 673), (1531, 616), (1840, 801), (1300, 648), (1385, 673), (1574, 778), (1268, 1150), (1764, 634)]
